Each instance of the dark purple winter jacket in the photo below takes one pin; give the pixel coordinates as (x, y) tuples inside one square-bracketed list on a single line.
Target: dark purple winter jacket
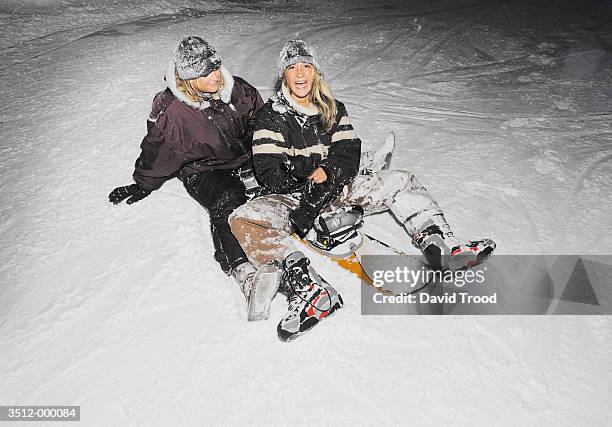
[(185, 137)]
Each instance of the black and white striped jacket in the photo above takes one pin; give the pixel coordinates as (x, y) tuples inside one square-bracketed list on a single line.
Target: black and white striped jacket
[(289, 143)]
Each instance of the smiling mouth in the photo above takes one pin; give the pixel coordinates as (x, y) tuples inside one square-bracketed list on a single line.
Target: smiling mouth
[(301, 84)]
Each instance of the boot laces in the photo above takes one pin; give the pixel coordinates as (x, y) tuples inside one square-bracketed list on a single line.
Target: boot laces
[(299, 283)]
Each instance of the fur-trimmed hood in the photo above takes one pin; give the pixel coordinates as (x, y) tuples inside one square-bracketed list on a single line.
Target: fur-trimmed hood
[(225, 95), (283, 102)]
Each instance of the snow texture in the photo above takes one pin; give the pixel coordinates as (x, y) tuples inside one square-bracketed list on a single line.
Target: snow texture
[(295, 51), (195, 57), (501, 109)]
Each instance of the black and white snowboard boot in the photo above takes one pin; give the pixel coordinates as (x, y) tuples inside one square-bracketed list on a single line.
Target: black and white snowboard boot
[(445, 251), (311, 298), (259, 287)]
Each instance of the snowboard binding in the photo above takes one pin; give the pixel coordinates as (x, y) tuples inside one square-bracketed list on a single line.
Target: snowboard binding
[(337, 233)]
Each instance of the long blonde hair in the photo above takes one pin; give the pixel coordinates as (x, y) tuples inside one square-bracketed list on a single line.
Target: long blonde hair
[(322, 98), (186, 86)]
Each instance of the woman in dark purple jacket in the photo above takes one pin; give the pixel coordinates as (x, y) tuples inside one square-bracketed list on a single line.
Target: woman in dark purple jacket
[(200, 130)]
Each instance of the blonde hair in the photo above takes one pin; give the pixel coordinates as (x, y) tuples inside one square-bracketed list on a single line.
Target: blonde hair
[(186, 86), (322, 98)]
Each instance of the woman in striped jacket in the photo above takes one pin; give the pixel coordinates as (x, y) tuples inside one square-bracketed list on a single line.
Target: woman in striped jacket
[(306, 152)]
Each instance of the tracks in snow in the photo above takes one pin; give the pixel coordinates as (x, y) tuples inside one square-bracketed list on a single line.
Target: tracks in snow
[(39, 46)]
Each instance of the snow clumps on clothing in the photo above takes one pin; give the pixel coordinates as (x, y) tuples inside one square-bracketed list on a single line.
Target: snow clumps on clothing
[(295, 51), (194, 57)]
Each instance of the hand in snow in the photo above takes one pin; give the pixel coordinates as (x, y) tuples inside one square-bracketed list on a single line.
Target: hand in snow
[(134, 192), (318, 176)]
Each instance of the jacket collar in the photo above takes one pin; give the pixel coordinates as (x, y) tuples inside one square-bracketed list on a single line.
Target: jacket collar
[(225, 95), (283, 102)]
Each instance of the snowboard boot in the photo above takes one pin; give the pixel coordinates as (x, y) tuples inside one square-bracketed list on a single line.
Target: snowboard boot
[(259, 287), (311, 298), (442, 250)]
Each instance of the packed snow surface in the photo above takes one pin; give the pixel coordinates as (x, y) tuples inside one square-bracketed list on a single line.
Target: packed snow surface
[(502, 109)]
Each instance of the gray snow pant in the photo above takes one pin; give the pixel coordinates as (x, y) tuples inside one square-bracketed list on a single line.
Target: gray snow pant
[(262, 225)]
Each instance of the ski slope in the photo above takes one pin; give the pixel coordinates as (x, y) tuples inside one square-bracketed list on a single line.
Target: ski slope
[(502, 109)]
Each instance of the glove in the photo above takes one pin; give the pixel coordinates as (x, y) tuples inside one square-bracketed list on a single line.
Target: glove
[(302, 221), (134, 192), (314, 198)]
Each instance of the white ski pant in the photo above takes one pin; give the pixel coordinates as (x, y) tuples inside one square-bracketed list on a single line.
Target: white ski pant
[(262, 225)]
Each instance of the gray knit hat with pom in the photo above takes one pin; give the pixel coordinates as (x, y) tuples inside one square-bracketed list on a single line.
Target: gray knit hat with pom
[(295, 51), (194, 57)]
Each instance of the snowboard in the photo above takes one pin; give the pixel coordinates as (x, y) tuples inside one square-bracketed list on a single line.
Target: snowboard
[(350, 258), (360, 256), (365, 258)]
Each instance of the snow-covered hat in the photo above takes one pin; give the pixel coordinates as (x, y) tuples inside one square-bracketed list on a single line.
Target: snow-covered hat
[(194, 57), (295, 51)]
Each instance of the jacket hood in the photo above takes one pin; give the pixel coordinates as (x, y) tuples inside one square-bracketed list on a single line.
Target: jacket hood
[(283, 102), (225, 94)]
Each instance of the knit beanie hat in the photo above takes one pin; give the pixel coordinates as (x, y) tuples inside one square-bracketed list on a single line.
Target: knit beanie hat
[(194, 58), (295, 51)]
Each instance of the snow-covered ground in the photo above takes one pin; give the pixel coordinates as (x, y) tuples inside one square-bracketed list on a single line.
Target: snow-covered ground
[(503, 109)]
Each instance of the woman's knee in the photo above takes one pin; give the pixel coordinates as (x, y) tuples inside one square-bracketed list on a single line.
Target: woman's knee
[(396, 174), (245, 216), (401, 178), (236, 220), (266, 211)]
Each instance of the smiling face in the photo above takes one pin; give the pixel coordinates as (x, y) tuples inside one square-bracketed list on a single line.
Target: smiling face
[(299, 78), (209, 83)]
